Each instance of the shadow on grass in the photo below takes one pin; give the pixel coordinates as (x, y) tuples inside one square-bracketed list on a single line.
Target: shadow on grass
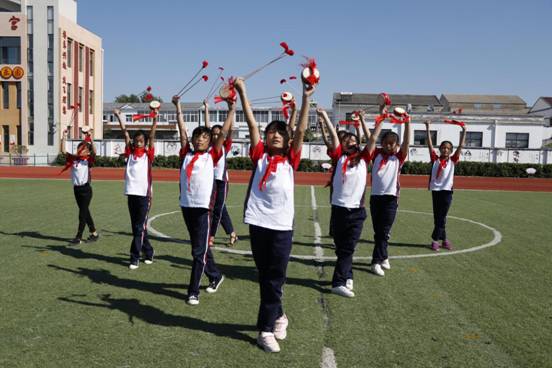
[(36, 235), (101, 276), (133, 308), (78, 253)]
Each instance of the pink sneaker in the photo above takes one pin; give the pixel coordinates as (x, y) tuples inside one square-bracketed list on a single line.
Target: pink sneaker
[(447, 245), (435, 246)]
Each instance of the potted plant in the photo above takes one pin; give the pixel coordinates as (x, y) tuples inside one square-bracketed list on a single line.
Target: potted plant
[(19, 152)]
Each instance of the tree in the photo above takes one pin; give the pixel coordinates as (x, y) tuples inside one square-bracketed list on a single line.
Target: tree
[(127, 99)]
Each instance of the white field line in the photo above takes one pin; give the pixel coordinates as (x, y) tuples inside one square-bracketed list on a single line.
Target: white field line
[(497, 238)]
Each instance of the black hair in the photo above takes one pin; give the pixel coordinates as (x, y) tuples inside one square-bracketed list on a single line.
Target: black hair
[(216, 126), (201, 130), (282, 128), (447, 142), (390, 134), (84, 143), (341, 134), (140, 132), (354, 159)]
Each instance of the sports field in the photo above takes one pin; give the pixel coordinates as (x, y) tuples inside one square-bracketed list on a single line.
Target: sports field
[(80, 306)]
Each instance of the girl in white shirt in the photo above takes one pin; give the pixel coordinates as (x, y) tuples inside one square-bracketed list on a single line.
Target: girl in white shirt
[(387, 162), (197, 176), (139, 154), (350, 168), (80, 165), (269, 211), (441, 185), (221, 185)]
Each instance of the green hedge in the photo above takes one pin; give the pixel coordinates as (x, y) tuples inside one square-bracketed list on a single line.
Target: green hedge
[(463, 168)]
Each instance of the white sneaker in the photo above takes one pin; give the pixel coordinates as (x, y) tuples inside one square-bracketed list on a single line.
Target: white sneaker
[(343, 291), (385, 265), (149, 260), (267, 341), (213, 286), (349, 284), (377, 270), (193, 300), (134, 265), (280, 328)]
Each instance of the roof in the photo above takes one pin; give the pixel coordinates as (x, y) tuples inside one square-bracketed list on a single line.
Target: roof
[(485, 99), (165, 106), (371, 99)]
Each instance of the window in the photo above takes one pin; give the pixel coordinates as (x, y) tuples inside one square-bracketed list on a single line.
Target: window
[(29, 20), (213, 116), (69, 52), (50, 54), (90, 101), (261, 116), (18, 98), (222, 115), (191, 116), (91, 63), (420, 137), (69, 95), (128, 118), (10, 50), (474, 139), (50, 15), (240, 116), (517, 140), (477, 106), (80, 99), (497, 106), (80, 57), (6, 95), (6, 143), (278, 115)]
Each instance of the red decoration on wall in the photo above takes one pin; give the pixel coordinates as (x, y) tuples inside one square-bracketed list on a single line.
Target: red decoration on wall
[(14, 20)]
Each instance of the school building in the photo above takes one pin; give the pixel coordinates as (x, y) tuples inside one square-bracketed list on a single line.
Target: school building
[(51, 70)]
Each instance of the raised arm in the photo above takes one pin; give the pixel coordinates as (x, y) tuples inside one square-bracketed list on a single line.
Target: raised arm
[(406, 138), (327, 124), (299, 134), (322, 125), (364, 126), (62, 142), (293, 116), (254, 134), (93, 147), (428, 137), (227, 126), (462, 141), (117, 113), (181, 124), (151, 140), (206, 109), (377, 130)]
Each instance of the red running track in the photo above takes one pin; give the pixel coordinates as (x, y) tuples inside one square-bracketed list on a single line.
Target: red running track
[(302, 178)]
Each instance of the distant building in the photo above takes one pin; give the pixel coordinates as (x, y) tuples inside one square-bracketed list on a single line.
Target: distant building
[(55, 76)]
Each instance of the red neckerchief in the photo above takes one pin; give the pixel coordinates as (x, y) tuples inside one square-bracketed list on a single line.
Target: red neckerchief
[(272, 166), (442, 165), (72, 158), (190, 168), (138, 152), (384, 159), (348, 157)]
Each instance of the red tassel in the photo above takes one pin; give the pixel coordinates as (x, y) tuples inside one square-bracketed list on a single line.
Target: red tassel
[(455, 122), (284, 45), (292, 77), (148, 97), (290, 52), (148, 89), (205, 78), (282, 81), (204, 64)]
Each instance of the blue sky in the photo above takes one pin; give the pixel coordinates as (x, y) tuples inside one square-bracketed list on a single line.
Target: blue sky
[(416, 47)]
